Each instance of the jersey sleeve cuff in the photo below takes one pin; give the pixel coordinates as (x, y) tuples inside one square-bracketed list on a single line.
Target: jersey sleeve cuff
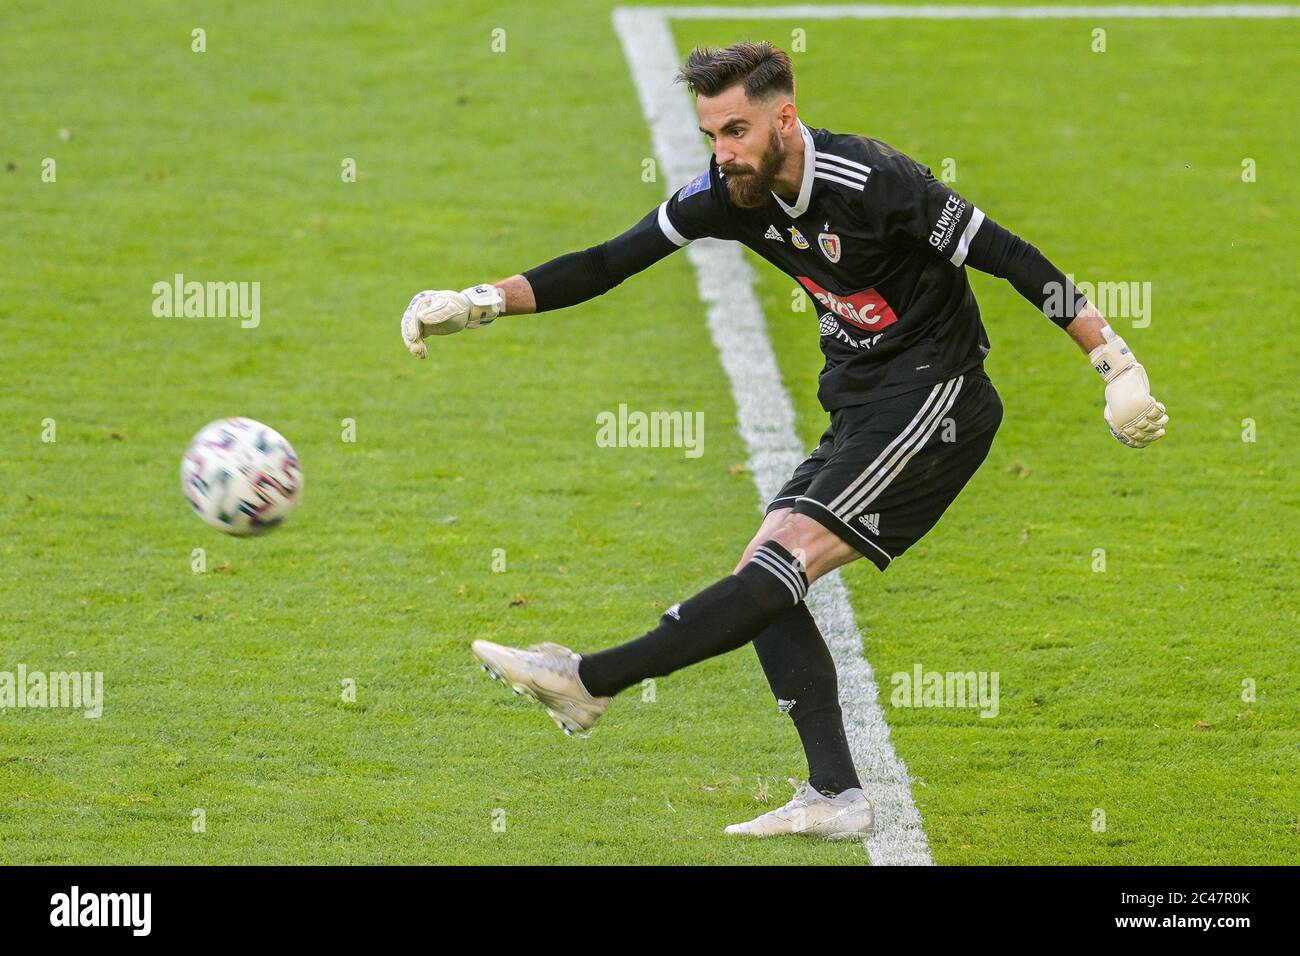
[(665, 224), (963, 244)]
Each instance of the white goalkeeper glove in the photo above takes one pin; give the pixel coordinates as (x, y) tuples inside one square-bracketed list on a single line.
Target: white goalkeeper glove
[(1134, 417), (443, 312)]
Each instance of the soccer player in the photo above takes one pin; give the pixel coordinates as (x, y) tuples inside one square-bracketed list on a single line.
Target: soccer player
[(881, 248)]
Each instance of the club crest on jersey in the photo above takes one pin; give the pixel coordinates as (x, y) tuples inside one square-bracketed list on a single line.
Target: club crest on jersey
[(866, 310), (797, 239), (830, 245)]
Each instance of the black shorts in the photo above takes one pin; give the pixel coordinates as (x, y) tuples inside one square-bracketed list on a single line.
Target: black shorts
[(885, 472)]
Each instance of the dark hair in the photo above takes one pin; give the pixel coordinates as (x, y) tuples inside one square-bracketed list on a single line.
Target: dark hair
[(762, 68)]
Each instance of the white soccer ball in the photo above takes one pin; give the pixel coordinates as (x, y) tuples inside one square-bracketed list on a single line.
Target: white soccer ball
[(241, 476)]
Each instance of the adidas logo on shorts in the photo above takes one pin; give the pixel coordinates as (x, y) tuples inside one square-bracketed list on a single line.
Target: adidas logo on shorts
[(872, 522)]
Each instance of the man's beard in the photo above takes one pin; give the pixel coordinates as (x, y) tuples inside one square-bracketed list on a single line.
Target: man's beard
[(750, 188)]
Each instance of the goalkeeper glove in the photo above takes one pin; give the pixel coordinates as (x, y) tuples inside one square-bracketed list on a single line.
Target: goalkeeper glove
[(444, 312), (1134, 417)]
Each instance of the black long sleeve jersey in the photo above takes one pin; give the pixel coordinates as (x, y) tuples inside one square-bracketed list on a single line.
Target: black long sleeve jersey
[(877, 243)]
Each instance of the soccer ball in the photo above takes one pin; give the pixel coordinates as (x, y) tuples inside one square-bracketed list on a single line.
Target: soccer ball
[(240, 476)]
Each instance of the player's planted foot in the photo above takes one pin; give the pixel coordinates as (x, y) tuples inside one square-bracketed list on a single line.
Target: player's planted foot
[(847, 816), (548, 673)]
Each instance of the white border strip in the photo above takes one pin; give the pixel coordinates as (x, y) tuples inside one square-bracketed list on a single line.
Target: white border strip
[(933, 12), (764, 410)]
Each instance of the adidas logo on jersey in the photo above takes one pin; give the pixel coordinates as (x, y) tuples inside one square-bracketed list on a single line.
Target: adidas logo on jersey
[(773, 234), (872, 522)]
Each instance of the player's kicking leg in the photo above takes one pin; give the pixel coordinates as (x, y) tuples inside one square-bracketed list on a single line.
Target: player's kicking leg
[(730, 613), (802, 675)]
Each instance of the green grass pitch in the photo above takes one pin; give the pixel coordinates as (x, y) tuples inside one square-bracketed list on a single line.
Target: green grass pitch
[(1122, 691)]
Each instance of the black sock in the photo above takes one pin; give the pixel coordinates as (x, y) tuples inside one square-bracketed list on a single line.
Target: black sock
[(721, 618), (801, 672)]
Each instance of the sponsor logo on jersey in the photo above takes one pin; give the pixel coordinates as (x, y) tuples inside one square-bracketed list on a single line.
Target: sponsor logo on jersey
[(773, 234), (698, 184), (830, 245), (829, 325), (796, 237), (942, 233), (866, 310)]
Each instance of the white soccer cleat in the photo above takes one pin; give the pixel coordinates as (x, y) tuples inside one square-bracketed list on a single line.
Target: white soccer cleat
[(847, 816), (548, 673)]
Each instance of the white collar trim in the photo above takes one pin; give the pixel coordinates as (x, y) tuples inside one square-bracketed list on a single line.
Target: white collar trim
[(805, 190)]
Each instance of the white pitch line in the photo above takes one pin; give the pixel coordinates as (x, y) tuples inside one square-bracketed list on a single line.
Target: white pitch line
[(763, 406), (766, 418)]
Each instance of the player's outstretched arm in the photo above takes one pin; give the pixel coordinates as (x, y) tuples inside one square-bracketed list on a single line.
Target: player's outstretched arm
[(1133, 414), (564, 281)]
